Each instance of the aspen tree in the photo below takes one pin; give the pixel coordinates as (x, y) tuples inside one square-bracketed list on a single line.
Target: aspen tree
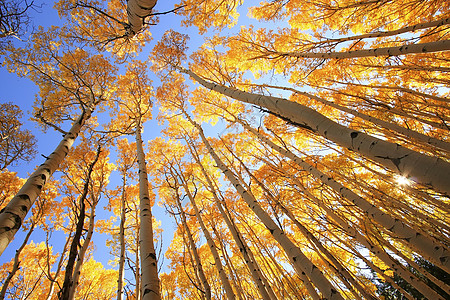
[(137, 11), (198, 263), (264, 289), (100, 176), (387, 125), (213, 248), (429, 171), (65, 292), (377, 102), (61, 97), (374, 248), (150, 281), (12, 216), (16, 265), (228, 262), (120, 278), (134, 108), (126, 161), (53, 277), (433, 251), (301, 263), (438, 46), (335, 265)]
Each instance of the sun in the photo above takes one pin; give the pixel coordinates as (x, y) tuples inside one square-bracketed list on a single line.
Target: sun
[(402, 180)]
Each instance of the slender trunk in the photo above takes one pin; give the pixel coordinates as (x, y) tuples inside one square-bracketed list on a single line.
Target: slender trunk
[(137, 275), (406, 67), (228, 263), (198, 282), (402, 89), (198, 262), (12, 216), (82, 253), (439, 46), (380, 272), (265, 291), (149, 268), (223, 276), (305, 269), (53, 278), (438, 282), (277, 271), (64, 293), (122, 240), (429, 171), (432, 251)]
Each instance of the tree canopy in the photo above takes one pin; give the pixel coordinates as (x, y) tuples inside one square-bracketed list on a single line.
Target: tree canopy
[(227, 150)]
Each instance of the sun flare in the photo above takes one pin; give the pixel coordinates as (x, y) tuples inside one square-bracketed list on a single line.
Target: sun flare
[(402, 180)]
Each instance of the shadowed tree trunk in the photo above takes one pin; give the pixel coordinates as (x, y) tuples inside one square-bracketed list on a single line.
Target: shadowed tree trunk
[(64, 293)]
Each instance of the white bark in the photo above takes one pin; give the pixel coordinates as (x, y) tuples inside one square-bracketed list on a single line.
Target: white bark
[(303, 266), (12, 216), (387, 125), (122, 240), (432, 251), (212, 246), (411, 28), (198, 262), (376, 249), (149, 269), (264, 290), (429, 171), (333, 263)]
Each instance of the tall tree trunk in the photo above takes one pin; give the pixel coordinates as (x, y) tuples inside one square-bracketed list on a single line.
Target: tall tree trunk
[(120, 276), (402, 89), (53, 278), (303, 266), (149, 268), (12, 216), (198, 262), (137, 275), (265, 291), (212, 246), (429, 171), (376, 249), (228, 263), (387, 125), (335, 265), (64, 293), (137, 11), (411, 28), (82, 253)]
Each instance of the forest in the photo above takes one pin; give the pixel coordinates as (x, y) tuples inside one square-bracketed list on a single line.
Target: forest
[(225, 149)]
